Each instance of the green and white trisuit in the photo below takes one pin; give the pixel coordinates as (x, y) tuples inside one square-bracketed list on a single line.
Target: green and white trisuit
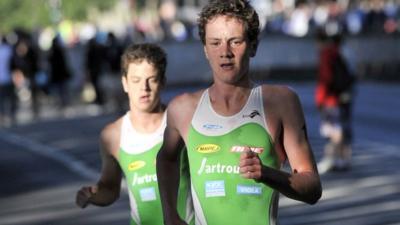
[(215, 142), (137, 158)]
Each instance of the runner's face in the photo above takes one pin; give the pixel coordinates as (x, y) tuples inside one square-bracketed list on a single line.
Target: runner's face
[(227, 49), (142, 84)]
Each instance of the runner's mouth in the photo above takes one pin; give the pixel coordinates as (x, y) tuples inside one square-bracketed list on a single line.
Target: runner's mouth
[(227, 66), (145, 98)]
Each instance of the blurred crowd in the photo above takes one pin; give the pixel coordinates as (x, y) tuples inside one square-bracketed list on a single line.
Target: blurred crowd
[(83, 65), (59, 77), (298, 18), (356, 17)]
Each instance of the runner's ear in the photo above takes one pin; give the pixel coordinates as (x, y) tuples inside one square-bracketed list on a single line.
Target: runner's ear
[(205, 51), (124, 83)]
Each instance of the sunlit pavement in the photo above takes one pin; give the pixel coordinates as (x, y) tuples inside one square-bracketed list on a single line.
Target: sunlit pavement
[(42, 164)]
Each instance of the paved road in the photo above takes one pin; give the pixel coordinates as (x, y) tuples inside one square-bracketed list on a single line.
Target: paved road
[(42, 164)]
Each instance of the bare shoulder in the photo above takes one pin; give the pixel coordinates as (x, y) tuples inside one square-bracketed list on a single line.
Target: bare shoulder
[(110, 136), (184, 103), (181, 109), (280, 96), (282, 103)]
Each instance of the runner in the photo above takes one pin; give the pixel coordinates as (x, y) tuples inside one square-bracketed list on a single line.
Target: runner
[(130, 144), (238, 134)]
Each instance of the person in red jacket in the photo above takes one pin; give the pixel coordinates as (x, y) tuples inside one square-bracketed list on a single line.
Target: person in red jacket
[(333, 100)]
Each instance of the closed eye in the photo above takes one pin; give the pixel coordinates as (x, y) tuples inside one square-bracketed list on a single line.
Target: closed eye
[(214, 43), (236, 42), (135, 80)]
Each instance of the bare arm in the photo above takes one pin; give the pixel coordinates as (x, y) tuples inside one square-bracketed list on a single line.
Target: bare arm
[(107, 189), (303, 182), (168, 158), (168, 174)]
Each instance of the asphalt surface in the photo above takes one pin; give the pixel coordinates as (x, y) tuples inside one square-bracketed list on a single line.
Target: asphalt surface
[(43, 163)]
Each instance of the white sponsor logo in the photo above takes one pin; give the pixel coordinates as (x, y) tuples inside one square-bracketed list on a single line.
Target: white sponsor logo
[(248, 190), (257, 150), (212, 126), (148, 194), (216, 168), (145, 179), (215, 188)]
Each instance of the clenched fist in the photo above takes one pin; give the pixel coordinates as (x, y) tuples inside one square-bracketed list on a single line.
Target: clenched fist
[(84, 195), (250, 165)]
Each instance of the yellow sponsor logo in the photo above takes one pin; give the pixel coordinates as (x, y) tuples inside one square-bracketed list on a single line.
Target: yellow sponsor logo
[(208, 148), (136, 165)]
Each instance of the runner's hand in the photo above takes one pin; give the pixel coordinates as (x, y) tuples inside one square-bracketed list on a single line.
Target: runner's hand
[(84, 194), (250, 165)]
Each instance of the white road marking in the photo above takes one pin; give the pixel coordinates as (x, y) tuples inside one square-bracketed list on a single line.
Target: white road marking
[(58, 155)]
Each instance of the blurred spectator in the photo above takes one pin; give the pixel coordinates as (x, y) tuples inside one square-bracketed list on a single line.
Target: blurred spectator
[(167, 13), (94, 59), (392, 12), (298, 24), (59, 71), (329, 18), (301, 18), (334, 98), (8, 98), (355, 19), (24, 64), (113, 54), (376, 17), (113, 84)]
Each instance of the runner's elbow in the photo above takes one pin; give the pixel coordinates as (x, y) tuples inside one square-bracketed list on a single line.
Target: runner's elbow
[(315, 195)]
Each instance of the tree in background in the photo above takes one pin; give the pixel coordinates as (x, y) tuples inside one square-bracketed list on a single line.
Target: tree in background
[(28, 14)]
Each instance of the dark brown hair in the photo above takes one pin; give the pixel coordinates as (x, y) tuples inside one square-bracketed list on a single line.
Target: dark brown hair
[(153, 53), (240, 9)]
